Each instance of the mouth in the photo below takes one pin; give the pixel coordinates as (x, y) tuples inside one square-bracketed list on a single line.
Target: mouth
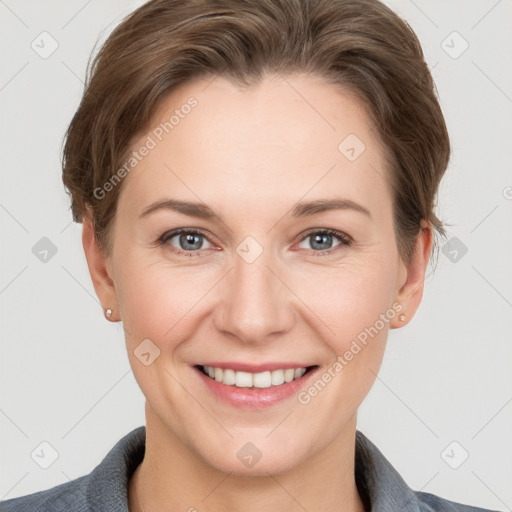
[(256, 380), (266, 385)]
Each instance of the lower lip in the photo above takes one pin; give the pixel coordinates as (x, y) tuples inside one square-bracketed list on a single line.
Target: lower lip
[(255, 398)]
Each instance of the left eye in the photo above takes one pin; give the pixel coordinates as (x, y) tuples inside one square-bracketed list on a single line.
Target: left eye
[(322, 240)]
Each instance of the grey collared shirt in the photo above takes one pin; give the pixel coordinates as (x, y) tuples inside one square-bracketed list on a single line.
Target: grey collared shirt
[(105, 489)]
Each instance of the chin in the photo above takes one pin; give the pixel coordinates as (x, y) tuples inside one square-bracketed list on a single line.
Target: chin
[(253, 455), (275, 463)]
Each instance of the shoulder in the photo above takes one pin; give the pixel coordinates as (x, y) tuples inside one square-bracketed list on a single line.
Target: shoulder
[(70, 497), (432, 503), (105, 488), (383, 488)]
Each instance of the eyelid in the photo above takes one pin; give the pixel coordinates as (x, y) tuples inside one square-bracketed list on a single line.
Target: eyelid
[(334, 232)]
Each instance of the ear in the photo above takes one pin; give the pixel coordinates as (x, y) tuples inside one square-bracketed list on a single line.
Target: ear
[(410, 292), (100, 268)]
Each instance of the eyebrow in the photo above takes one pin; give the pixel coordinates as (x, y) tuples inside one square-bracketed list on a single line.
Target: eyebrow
[(302, 209)]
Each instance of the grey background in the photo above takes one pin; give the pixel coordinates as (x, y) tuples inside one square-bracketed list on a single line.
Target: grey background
[(65, 376)]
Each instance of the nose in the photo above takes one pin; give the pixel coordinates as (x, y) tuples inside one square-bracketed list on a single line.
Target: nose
[(256, 305)]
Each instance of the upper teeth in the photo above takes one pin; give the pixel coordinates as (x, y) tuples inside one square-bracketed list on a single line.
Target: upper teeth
[(257, 380)]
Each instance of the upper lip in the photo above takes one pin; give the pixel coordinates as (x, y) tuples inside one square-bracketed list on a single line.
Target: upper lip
[(254, 368)]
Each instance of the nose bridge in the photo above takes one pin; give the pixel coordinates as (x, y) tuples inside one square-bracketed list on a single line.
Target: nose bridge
[(255, 304)]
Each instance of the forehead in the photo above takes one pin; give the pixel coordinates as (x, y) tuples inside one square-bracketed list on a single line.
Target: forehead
[(279, 140)]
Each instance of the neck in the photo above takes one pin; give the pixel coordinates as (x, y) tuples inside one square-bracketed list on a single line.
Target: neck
[(172, 477)]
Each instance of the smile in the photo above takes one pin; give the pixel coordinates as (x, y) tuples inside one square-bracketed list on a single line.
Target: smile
[(254, 386), (241, 379)]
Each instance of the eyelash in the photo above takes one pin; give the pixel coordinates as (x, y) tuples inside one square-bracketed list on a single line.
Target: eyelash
[(345, 240)]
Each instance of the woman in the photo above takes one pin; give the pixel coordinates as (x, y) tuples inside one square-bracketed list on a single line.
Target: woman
[(256, 182)]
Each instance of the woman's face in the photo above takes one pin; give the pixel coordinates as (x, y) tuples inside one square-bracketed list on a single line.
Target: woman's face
[(257, 286)]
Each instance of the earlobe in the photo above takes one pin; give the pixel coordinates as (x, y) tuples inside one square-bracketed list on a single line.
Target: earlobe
[(411, 291), (99, 268)]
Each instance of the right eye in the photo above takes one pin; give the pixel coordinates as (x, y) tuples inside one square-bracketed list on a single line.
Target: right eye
[(188, 241)]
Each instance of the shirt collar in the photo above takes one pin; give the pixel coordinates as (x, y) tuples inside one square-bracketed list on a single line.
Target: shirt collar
[(376, 478), (378, 482)]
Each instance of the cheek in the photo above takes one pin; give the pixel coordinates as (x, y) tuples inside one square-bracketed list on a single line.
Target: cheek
[(157, 305), (353, 304), (350, 298), (160, 301), (357, 309), (153, 303)]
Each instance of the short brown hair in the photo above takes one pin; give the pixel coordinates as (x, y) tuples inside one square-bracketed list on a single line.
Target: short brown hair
[(361, 45)]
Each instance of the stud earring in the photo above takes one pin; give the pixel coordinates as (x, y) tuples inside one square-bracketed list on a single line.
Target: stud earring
[(401, 318), (108, 314)]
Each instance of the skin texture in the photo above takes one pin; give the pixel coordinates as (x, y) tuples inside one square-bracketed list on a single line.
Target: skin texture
[(250, 155)]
